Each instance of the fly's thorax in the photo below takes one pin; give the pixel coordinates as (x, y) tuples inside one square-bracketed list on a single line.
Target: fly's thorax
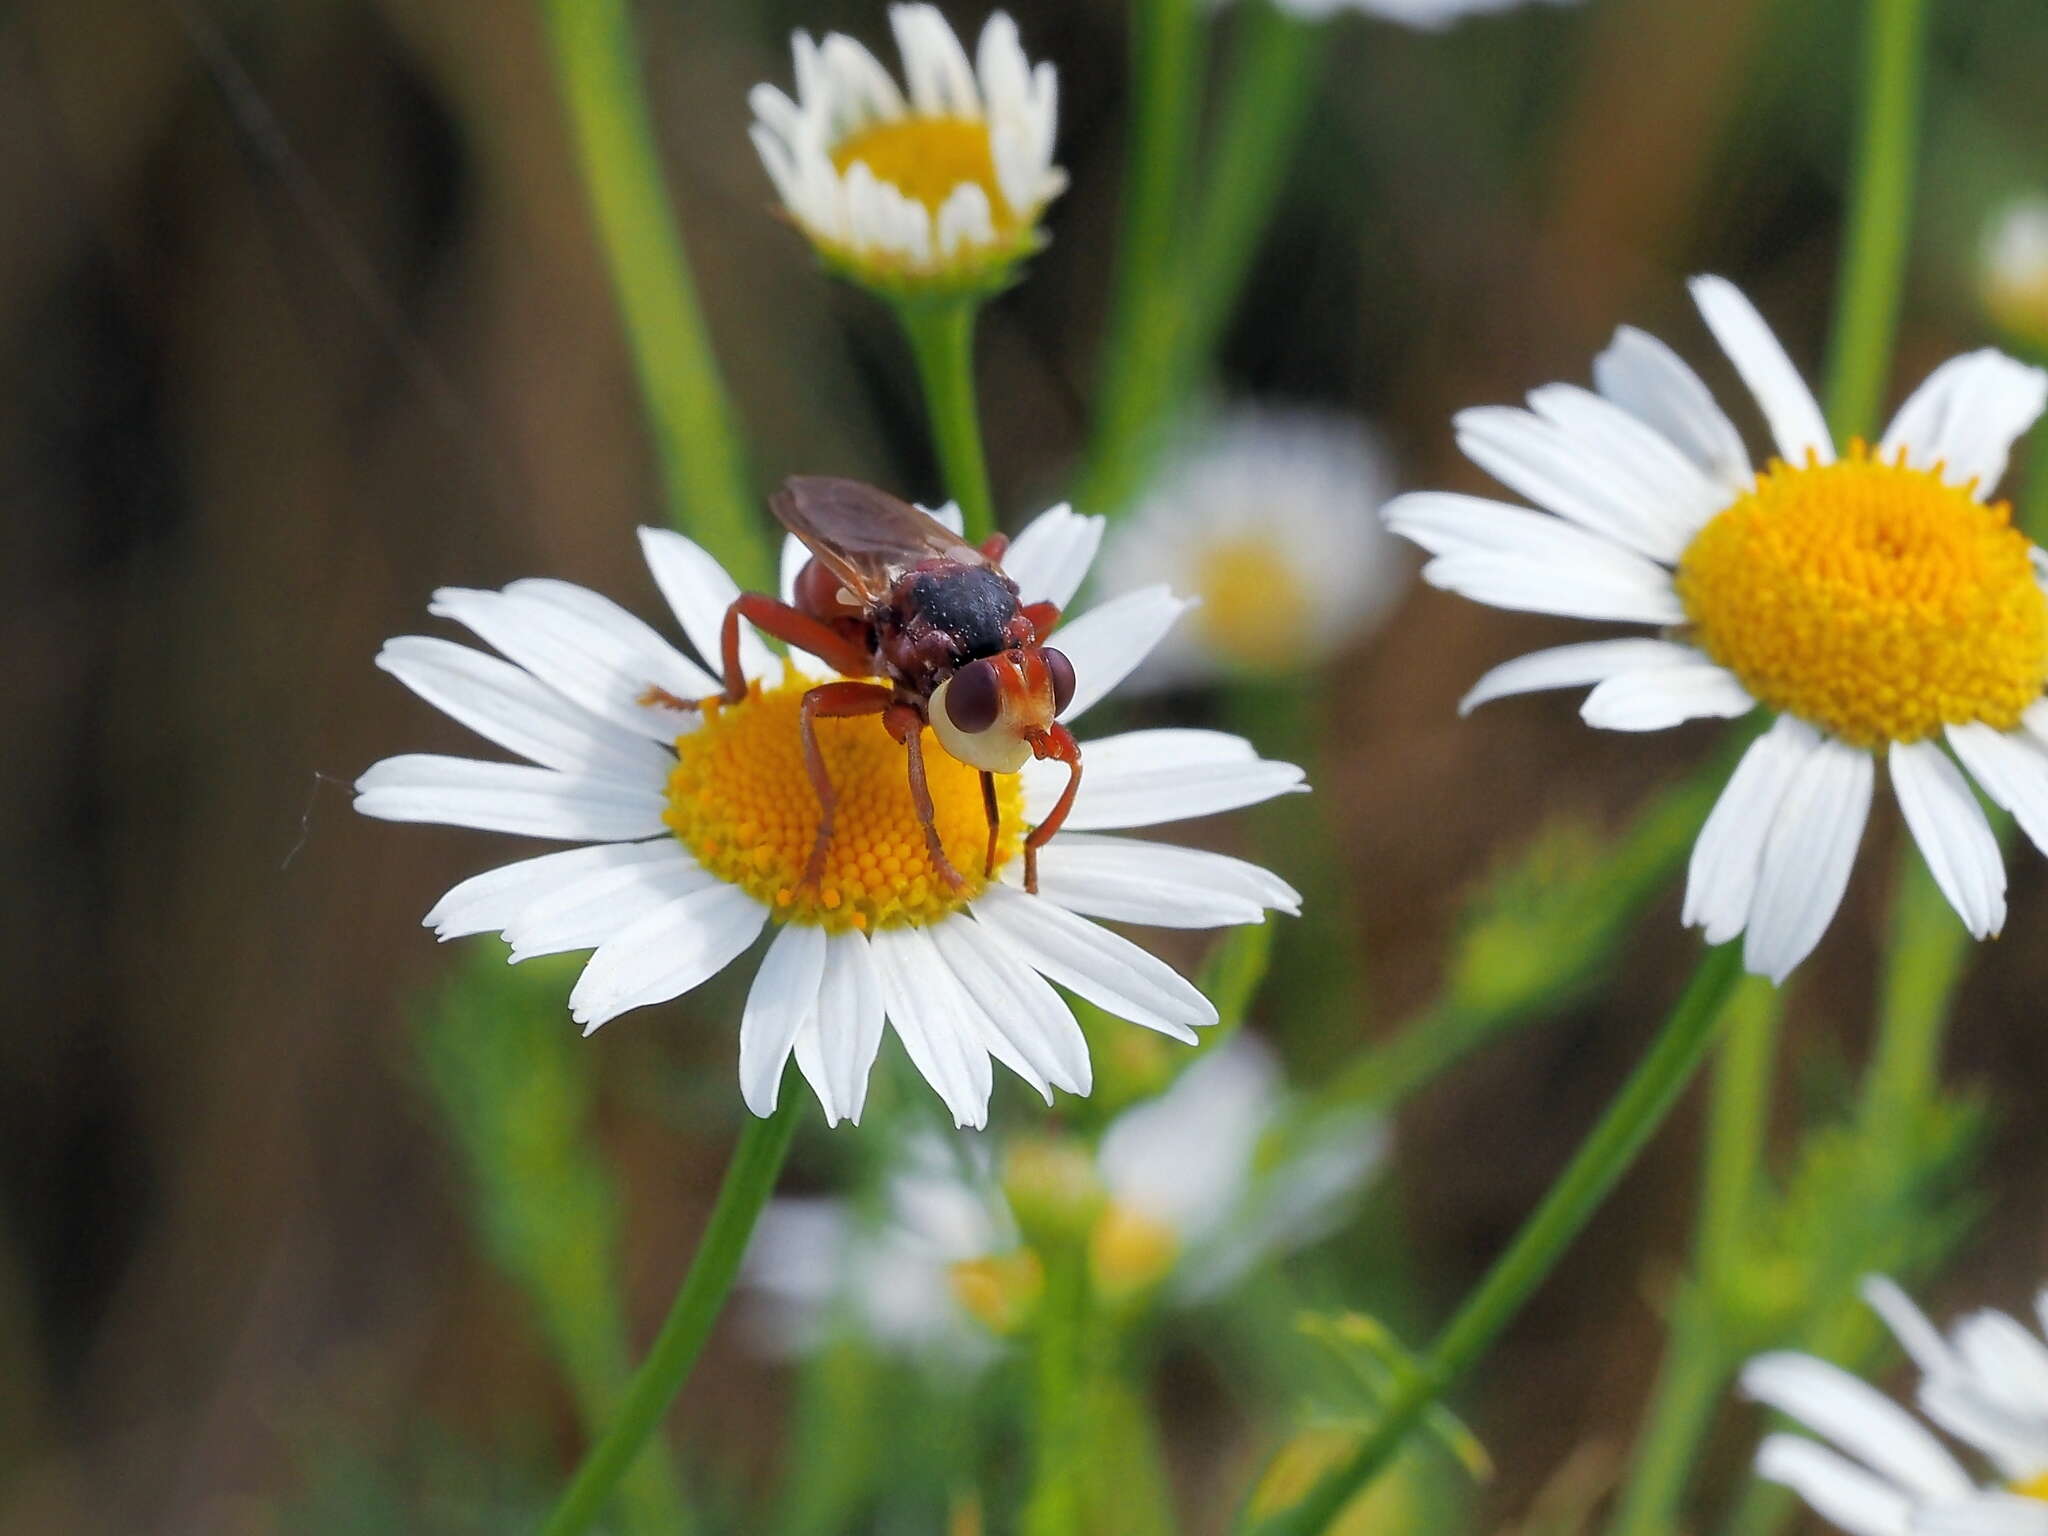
[(945, 613)]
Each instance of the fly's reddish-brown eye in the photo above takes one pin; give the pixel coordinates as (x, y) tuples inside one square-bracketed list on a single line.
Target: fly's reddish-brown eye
[(974, 698), (1061, 671)]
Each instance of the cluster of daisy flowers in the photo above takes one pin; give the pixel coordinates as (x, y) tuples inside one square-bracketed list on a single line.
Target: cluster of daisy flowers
[(1177, 1201), (1885, 1473), (693, 828), (1874, 599)]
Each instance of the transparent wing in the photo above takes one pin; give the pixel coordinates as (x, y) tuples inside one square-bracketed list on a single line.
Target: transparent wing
[(866, 537)]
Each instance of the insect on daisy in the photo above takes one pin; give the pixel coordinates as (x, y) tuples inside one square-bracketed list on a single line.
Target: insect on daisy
[(939, 192), (1986, 1384), (1875, 600), (702, 825)]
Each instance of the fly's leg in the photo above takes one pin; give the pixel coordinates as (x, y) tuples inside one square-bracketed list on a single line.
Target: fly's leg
[(831, 701), (792, 626), (1043, 617), (995, 820), (906, 723), (1058, 744)]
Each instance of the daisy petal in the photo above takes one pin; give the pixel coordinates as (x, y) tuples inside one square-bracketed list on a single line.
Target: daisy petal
[(1795, 419), (1562, 473), (1505, 582), (666, 953), (850, 1017), (1126, 880), (516, 710), (494, 900), (583, 914), (2013, 770), (1839, 1490), (1953, 835), (990, 1008), (1144, 778), (783, 998), (1107, 969), (809, 1052), (1857, 1418), (1657, 699), (1021, 1002), (509, 797), (1050, 558), (1807, 857), (1110, 639), (1909, 1325), (1573, 666), (700, 592), (1988, 1514), (1966, 416), (1720, 886), (926, 1006), (1646, 378), (631, 637)]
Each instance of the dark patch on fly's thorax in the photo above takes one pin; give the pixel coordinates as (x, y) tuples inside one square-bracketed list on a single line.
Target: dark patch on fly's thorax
[(946, 614)]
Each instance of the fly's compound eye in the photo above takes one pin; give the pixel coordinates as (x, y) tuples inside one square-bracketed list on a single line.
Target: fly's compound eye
[(1061, 671), (974, 697)]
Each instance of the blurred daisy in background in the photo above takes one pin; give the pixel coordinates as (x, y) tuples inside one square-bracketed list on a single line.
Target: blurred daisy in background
[(695, 828), (1873, 599), (1887, 1474), (1266, 517), (936, 187), (1427, 15), (2013, 272), (1185, 1195)]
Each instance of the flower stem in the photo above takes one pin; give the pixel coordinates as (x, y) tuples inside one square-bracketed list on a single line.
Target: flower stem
[(1145, 303), (1605, 1156), (703, 462), (941, 336), (1880, 215), (749, 1180), (1059, 1491), (1702, 1353)]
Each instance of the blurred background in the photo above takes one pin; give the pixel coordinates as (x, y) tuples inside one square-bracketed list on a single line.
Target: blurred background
[(302, 315)]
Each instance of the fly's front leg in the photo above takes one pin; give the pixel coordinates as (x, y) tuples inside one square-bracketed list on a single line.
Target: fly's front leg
[(994, 814), (1057, 743), (832, 701), (906, 723), (1043, 617), (792, 626)]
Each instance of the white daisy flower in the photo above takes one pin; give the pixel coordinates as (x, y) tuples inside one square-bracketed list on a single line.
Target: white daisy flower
[(1425, 15), (2013, 270), (941, 191), (1267, 519), (1986, 1384), (1186, 1201), (1874, 600), (695, 830)]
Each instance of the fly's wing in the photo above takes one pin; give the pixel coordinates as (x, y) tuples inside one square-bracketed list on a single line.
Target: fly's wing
[(865, 537)]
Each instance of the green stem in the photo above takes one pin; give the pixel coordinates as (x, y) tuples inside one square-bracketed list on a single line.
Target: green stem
[(1059, 1492), (1271, 88), (1606, 1155), (703, 463), (1880, 216), (749, 1180), (1702, 1354), (941, 333), (1145, 300)]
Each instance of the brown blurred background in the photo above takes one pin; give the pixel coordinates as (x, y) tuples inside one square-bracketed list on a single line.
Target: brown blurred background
[(301, 316)]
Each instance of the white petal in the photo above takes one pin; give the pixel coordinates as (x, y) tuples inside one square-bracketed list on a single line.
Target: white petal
[(1636, 457), (666, 953), (1720, 886), (1007, 1030), (1144, 778), (1645, 377), (1807, 857), (631, 637), (700, 592), (935, 66), (1110, 639), (509, 797), (1129, 881), (1107, 969), (520, 713), (2012, 768), (1961, 1405), (1573, 666), (1841, 1492), (1562, 473), (603, 903), (1909, 1325), (1506, 582), (794, 558), (850, 1016), (1988, 1514), (1858, 1418), (1966, 417), (927, 1009), (1657, 699), (809, 1051), (783, 997), (1796, 423), (1049, 560), (494, 899), (1953, 835), (1021, 1002)]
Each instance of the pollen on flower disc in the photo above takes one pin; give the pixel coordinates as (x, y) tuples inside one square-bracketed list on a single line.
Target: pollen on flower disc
[(926, 158), (1871, 600), (741, 800)]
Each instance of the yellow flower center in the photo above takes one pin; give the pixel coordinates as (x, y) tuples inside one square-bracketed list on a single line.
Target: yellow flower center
[(1000, 1291), (1129, 1252), (1871, 600), (1253, 604), (926, 158), (742, 801), (2035, 1487)]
